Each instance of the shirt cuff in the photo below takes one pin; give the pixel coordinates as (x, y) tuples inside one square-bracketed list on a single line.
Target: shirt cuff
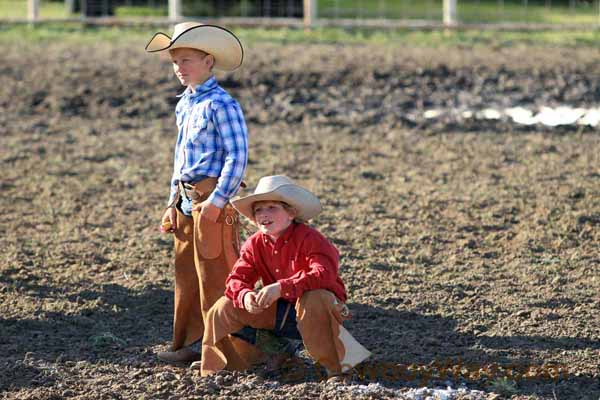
[(288, 290), (217, 199), (240, 299), (171, 201)]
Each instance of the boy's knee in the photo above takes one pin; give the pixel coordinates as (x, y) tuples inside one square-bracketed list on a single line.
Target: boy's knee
[(221, 307), (316, 299)]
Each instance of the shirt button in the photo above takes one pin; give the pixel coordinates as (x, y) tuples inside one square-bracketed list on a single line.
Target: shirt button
[(275, 252), (287, 294), (276, 269)]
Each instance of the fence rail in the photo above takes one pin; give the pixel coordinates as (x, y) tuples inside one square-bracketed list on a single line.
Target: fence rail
[(418, 14)]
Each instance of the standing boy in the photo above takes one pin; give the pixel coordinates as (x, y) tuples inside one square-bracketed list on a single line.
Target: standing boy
[(303, 296), (210, 160)]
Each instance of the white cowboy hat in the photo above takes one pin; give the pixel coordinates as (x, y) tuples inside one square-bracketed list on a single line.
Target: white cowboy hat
[(280, 188), (223, 45)]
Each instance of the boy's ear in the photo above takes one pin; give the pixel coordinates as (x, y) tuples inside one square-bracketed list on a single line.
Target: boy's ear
[(293, 212), (210, 59)]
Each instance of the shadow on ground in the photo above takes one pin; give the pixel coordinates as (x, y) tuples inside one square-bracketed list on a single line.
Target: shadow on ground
[(118, 325), (113, 324), (415, 350)]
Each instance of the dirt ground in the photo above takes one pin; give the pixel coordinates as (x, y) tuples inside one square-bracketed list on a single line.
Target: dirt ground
[(470, 249)]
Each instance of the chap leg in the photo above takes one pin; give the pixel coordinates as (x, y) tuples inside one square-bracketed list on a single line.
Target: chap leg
[(326, 340), (188, 325), (222, 320)]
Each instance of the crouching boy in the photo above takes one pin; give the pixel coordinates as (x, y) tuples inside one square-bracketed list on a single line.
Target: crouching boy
[(303, 296)]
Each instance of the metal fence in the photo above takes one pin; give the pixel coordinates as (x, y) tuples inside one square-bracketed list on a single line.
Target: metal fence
[(580, 14)]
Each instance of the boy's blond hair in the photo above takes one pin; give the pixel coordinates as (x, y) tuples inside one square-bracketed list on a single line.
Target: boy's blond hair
[(202, 52), (285, 205)]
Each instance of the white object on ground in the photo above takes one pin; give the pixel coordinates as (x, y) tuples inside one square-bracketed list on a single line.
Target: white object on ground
[(559, 116), (489, 113), (521, 115), (591, 117), (429, 114), (563, 115)]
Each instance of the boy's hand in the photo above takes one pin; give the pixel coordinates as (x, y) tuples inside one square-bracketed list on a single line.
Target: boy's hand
[(208, 210), (250, 303), (168, 223), (268, 295)]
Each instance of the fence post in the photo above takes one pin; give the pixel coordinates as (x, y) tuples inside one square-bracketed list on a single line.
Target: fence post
[(70, 7), (174, 10), (33, 10), (449, 12), (310, 13)]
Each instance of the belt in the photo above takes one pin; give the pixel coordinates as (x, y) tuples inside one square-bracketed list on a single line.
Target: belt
[(198, 191), (187, 190), (201, 189)]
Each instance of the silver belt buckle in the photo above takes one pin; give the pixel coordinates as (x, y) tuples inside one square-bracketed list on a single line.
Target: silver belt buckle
[(188, 191)]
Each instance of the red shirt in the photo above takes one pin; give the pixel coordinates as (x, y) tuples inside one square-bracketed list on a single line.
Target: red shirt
[(301, 259)]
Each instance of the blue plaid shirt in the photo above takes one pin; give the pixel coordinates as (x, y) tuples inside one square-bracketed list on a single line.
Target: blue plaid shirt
[(212, 141)]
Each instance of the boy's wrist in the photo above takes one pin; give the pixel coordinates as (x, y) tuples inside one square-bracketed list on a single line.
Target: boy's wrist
[(172, 199), (241, 297), (286, 290), (217, 200)]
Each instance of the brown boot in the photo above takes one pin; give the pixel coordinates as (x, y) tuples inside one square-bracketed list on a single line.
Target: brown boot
[(275, 361), (339, 378), (183, 355)]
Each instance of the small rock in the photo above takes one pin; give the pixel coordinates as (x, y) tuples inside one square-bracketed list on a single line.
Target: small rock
[(556, 280), (523, 313)]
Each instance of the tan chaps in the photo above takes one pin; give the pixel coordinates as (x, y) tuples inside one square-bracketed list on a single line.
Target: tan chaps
[(205, 252), (319, 321)]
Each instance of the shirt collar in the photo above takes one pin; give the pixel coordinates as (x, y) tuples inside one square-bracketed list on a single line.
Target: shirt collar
[(205, 87), (284, 238), (287, 234)]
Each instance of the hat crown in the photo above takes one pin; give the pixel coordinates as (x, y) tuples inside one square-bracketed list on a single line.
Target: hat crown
[(283, 189), (182, 27), (217, 41), (270, 183)]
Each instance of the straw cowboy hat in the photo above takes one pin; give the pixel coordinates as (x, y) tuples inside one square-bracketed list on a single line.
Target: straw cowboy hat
[(223, 45), (280, 188)]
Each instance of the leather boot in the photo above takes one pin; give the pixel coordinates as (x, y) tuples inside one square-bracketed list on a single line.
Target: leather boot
[(183, 355)]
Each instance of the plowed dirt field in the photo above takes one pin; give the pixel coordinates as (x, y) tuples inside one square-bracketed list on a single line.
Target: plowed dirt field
[(470, 250)]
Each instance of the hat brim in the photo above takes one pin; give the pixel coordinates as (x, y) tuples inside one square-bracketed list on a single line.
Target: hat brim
[(217, 41), (306, 204)]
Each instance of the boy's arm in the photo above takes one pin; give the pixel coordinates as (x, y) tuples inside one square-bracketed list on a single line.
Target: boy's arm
[(228, 119), (173, 191), (174, 180), (323, 259), (243, 276)]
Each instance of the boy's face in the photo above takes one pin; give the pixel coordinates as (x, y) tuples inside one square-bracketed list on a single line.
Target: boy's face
[(192, 67), (272, 218)]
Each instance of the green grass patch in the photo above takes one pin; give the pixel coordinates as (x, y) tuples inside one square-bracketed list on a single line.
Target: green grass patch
[(511, 12), (72, 32), (105, 340), (86, 34), (158, 11), (17, 9), (504, 386), (469, 11), (425, 38)]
